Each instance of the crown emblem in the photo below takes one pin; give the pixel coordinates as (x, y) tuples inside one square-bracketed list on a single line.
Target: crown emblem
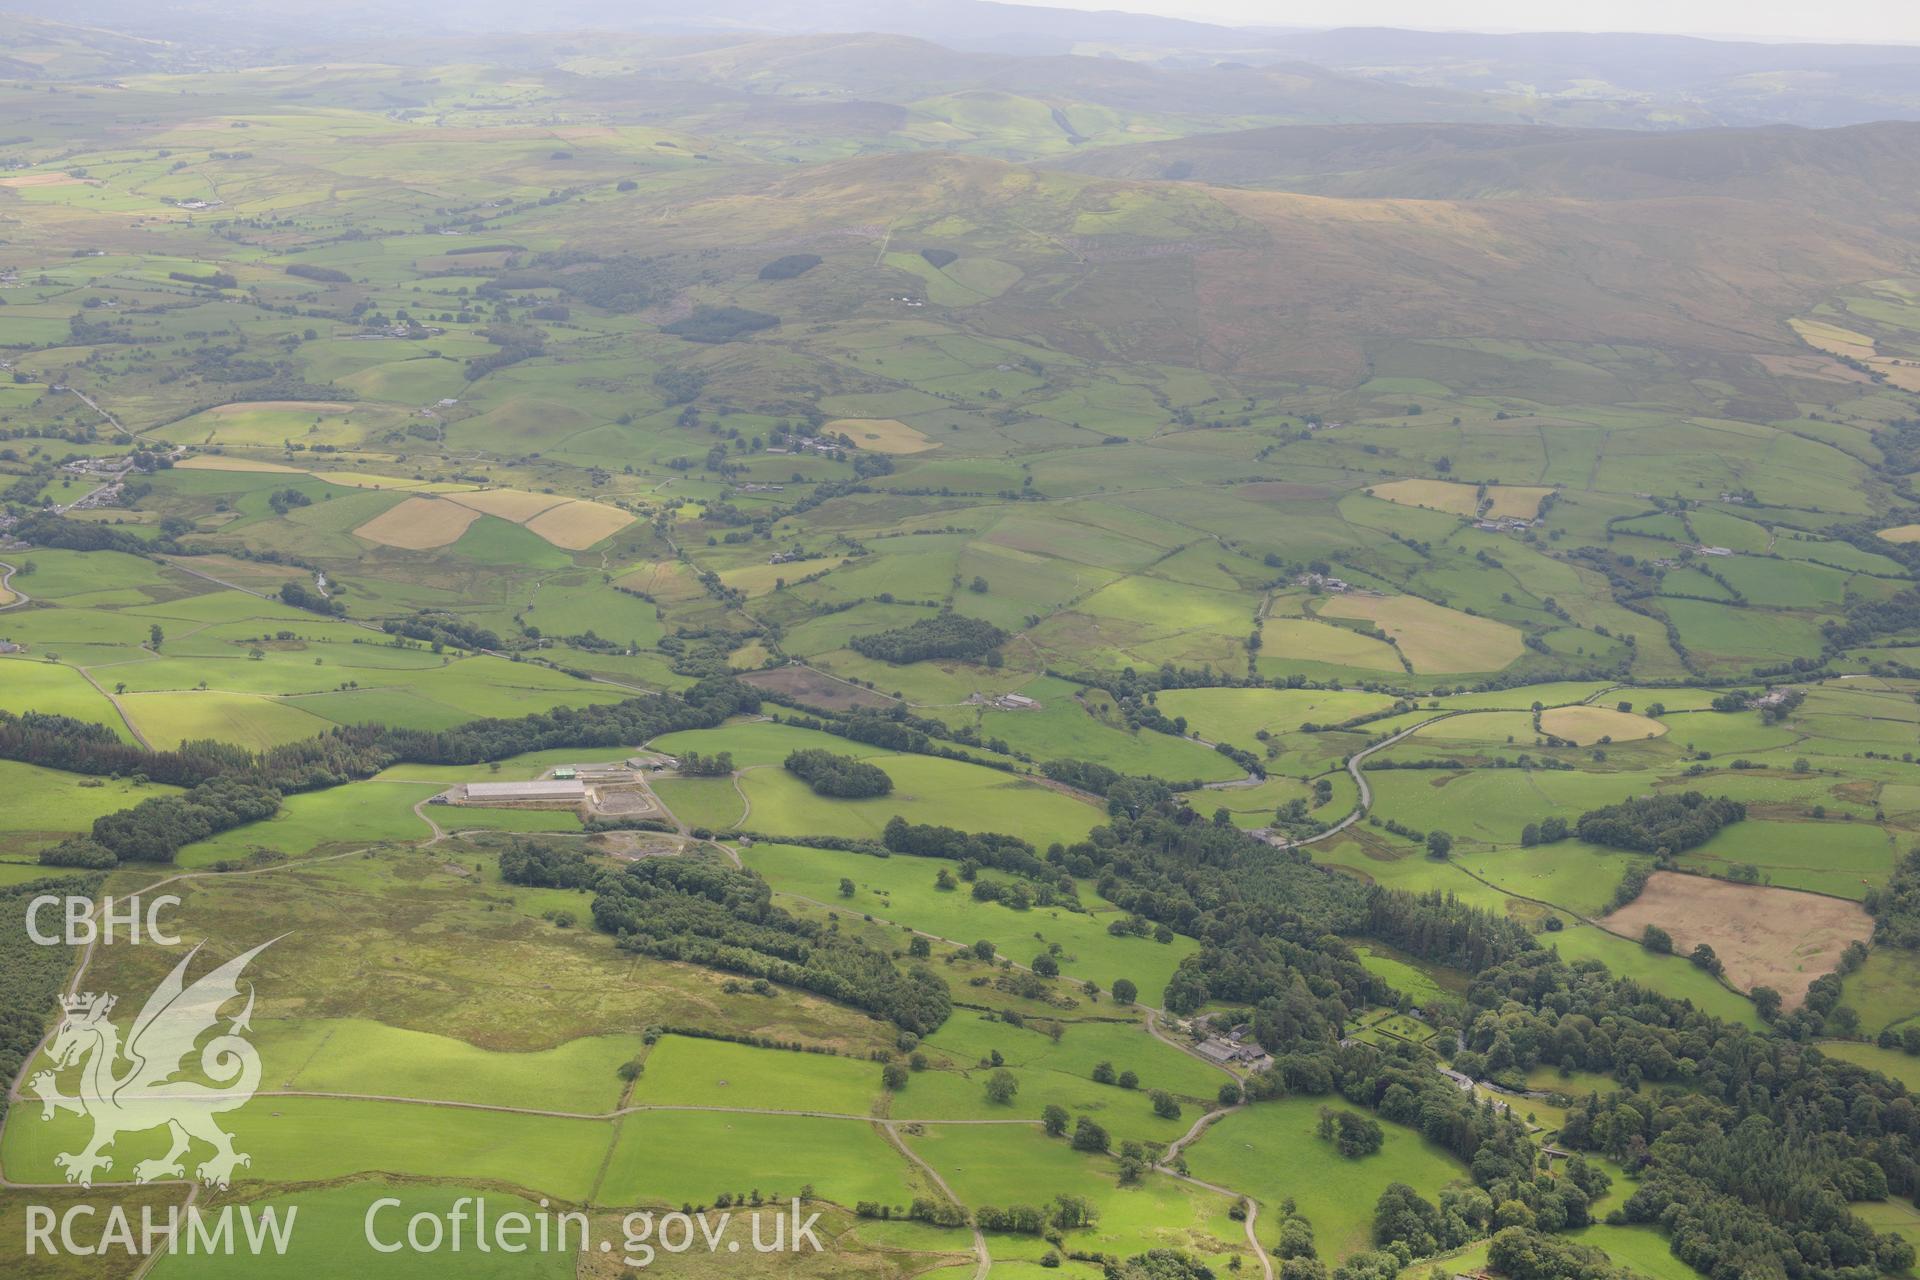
[(87, 1003)]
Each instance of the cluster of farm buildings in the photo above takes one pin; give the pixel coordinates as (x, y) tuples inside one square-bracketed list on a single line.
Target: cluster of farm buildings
[(1237, 1048), (602, 789), (1004, 701)]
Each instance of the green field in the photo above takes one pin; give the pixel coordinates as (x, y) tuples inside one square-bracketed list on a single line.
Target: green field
[(1271, 1150), (901, 890)]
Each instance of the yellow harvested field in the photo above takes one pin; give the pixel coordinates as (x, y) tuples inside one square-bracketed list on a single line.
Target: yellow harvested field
[(1831, 337), (577, 525), (46, 180), (510, 504), (1904, 374), (1902, 533), (1585, 726), (226, 462), (882, 435), (665, 580), (362, 480), (282, 406), (1521, 502), (1435, 640), (1810, 367), (1311, 641), (418, 524)]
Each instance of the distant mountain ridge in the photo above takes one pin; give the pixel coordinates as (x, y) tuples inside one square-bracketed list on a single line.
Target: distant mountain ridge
[(1572, 79), (1871, 168)]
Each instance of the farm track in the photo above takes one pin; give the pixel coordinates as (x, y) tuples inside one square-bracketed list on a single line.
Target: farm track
[(1200, 1126), (633, 1109), (118, 707), (746, 803), (982, 1259), (420, 812)]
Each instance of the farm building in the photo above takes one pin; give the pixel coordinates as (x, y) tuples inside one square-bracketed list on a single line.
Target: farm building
[(548, 791)]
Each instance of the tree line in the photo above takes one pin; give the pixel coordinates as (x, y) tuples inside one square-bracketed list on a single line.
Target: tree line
[(229, 786), (707, 914)]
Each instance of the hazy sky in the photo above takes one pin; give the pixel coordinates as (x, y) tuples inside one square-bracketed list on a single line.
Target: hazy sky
[(1874, 20)]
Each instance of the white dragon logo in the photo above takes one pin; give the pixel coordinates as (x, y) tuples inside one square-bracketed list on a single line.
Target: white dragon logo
[(142, 1096)]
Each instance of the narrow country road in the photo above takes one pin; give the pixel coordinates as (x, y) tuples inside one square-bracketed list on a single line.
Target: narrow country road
[(6, 584), (1365, 803)]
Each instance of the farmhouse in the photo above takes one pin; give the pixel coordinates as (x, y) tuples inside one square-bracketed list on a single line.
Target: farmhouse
[(1714, 551), (1229, 1051), (547, 791)]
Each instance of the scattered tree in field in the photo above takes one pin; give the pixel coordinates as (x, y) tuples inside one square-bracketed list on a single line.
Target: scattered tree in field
[(893, 1077), (1053, 1118), (1001, 1086), (1088, 1136), (1352, 1135), (1124, 992)]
